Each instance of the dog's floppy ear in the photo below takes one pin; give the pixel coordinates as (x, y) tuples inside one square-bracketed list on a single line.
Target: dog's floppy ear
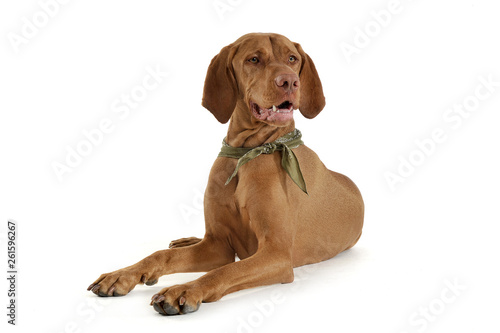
[(220, 91), (312, 100)]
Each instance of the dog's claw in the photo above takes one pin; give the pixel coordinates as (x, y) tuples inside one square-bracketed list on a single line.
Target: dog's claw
[(95, 289), (167, 309), (162, 307), (157, 298)]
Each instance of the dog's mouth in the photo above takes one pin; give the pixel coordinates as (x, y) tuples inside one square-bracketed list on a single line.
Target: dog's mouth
[(275, 114)]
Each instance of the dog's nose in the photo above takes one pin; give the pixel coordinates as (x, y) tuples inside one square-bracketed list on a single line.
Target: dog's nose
[(288, 82)]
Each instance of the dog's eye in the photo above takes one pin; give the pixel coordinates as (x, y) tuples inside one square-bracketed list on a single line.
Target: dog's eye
[(292, 59), (254, 60)]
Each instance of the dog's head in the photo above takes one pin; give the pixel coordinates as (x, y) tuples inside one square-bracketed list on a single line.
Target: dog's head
[(269, 74)]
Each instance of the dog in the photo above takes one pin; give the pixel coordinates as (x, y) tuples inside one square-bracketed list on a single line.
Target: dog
[(269, 200)]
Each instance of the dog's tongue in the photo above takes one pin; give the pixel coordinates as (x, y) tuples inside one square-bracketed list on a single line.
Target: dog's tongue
[(281, 113), (277, 114)]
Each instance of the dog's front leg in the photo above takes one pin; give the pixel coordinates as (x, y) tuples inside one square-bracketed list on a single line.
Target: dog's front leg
[(272, 263), (204, 256)]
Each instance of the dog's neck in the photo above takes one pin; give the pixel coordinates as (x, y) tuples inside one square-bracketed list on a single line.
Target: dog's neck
[(246, 131)]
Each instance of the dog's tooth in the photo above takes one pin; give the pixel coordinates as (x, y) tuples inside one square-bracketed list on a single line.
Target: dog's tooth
[(274, 108)]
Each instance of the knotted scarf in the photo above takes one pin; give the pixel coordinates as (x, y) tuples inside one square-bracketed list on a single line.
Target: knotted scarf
[(285, 144)]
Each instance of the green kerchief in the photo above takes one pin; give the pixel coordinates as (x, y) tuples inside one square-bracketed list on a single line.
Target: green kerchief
[(285, 144)]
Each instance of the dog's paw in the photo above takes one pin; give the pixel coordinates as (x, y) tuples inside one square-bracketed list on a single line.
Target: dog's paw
[(120, 282), (178, 299), (184, 242)]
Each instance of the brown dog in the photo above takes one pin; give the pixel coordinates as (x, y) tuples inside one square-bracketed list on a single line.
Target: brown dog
[(262, 215)]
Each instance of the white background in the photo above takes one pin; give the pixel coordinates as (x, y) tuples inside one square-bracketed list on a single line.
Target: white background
[(138, 189)]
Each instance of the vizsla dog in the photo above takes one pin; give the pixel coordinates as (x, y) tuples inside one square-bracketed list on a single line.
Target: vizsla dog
[(269, 199)]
